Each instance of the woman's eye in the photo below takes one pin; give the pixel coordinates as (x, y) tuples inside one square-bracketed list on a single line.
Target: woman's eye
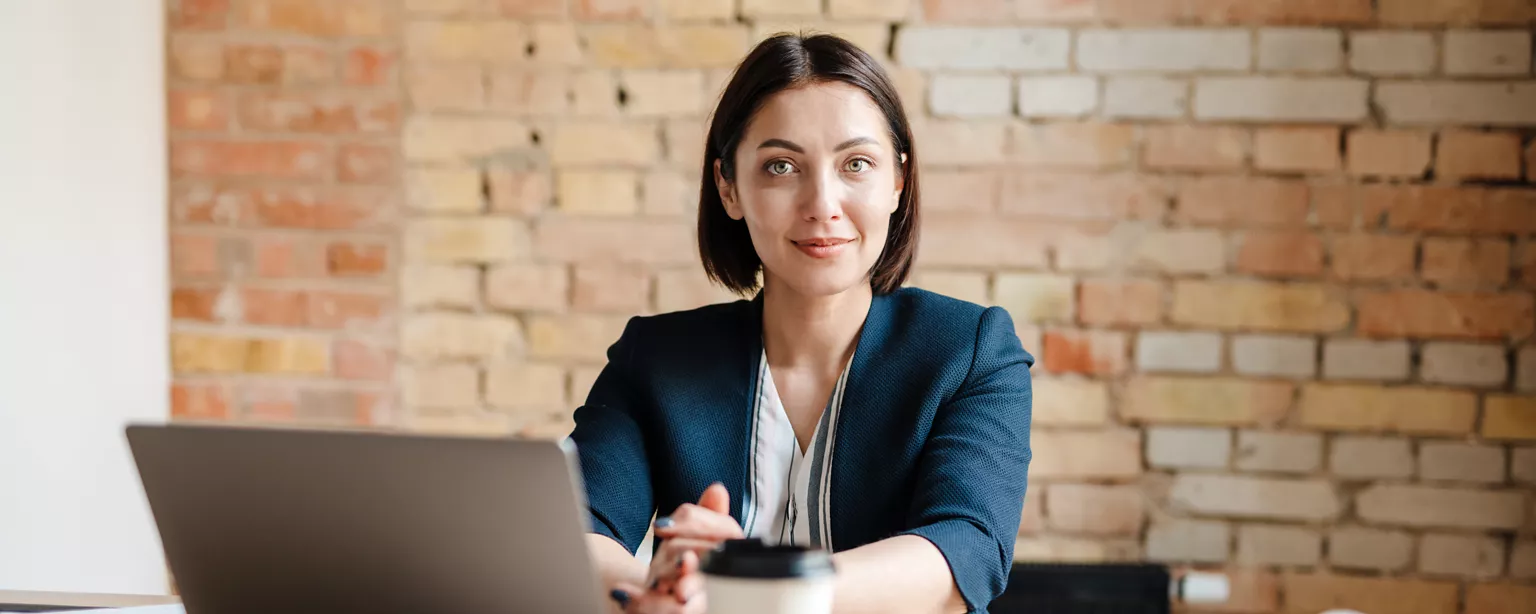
[(858, 165), (780, 167)]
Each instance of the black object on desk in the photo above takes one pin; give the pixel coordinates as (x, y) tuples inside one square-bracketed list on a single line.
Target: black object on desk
[(1085, 589)]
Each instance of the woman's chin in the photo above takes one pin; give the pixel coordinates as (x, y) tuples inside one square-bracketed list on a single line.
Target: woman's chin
[(826, 282)]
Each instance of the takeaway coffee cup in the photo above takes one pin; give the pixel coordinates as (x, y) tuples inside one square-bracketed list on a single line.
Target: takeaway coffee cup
[(745, 576)]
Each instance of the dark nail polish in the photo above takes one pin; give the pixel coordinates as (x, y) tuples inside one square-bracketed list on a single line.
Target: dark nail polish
[(655, 583), (679, 562), (620, 597), (665, 522)]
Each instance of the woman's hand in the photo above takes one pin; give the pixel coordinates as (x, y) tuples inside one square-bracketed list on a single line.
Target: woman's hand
[(674, 582)]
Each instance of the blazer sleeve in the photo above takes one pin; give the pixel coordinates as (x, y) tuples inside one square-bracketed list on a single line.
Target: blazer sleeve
[(974, 467), (611, 446)]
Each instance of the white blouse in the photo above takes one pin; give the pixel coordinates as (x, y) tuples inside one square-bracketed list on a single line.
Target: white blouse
[(789, 500)]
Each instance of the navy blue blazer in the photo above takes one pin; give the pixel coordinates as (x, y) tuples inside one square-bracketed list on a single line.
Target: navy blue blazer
[(933, 436)]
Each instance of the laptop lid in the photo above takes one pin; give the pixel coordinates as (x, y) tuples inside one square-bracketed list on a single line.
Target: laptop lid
[(263, 520)]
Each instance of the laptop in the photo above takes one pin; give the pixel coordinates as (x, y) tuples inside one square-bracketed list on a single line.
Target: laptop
[(266, 520)]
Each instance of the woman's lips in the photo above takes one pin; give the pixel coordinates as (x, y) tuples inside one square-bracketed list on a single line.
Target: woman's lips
[(822, 248)]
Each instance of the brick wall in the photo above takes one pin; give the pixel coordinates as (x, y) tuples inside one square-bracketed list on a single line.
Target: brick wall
[(1276, 258)]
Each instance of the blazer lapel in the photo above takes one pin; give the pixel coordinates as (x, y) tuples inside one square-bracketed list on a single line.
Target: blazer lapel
[(856, 436)]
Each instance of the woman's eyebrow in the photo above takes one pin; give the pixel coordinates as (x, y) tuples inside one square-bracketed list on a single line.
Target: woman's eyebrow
[(858, 140)]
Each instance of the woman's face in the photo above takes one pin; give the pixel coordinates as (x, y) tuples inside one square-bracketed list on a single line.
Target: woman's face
[(817, 179)]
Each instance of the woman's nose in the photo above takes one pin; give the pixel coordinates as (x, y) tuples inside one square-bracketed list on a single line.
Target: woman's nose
[(824, 201)]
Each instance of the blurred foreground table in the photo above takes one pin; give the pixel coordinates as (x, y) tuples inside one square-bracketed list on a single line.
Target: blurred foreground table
[(37, 601)]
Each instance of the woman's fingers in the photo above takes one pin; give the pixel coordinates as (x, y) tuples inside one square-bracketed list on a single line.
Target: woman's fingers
[(690, 580), (698, 522), (637, 600)]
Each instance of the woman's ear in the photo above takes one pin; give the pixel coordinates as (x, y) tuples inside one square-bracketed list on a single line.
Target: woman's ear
[(727, 194), (901, 180)]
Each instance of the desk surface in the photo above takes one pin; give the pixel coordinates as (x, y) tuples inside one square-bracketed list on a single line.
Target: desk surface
[(39, 600)]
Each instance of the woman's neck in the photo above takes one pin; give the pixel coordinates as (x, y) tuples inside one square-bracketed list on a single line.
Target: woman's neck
[(816, 332)]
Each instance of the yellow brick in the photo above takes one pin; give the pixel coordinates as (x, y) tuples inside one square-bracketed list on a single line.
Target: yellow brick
[(868, 9), (447, 386), (201, 59), (196, 353), (473, 423), (1341, 407), (573, 337), (428, 285), (456, 190), (594, 93), (781, 8), (1509, 417), (429, 336), (1316, 592), (582, 379), (1061, 401), (963, 285), (1262, 306), (288, 355), (698, 9), (521, 91), (444, 139), (526, 387), (685, 143), (681, 46), (659, 93), (598, 192), (596, 143), (556, 43), (872, 37), (677, 290), (1105, 454), (1030, 297), (1191, 400), (472, 239), (491, 41), (445, 87)]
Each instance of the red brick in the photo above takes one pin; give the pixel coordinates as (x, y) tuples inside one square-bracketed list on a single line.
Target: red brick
[(1527, 263), (1195, 148), (369, 66), (1084, 351), (204, 110), (285, 257), (618, 10), (199, 401), (353, 259), (1439, 13), (322, 208), (531, 8), (1296, 150), (1387, 153), (1072, 145), (362, 360), (271, 65), (1335, 205), (350, 310), (198, 14), (1263, 306), (1466, 262), (194, 303), (195, 58), (1110, 302), (1464, 154), (269, 402), (1373, 257), (1083, 196), (267, 159), (367, 163), (1471, 210), (317, 114), (1463, 315), (329, 19), (1281, 254), (1316, 592), (1237, 202), (268, 307), (194, 255)]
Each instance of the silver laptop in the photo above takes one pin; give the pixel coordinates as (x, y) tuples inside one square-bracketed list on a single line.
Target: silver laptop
[(261, 521)]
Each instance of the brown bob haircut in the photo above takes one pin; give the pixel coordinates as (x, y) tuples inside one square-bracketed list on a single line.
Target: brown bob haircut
[(783, 62)]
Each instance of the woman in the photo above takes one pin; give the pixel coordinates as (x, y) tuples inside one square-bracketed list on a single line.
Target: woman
[(835, 409)]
